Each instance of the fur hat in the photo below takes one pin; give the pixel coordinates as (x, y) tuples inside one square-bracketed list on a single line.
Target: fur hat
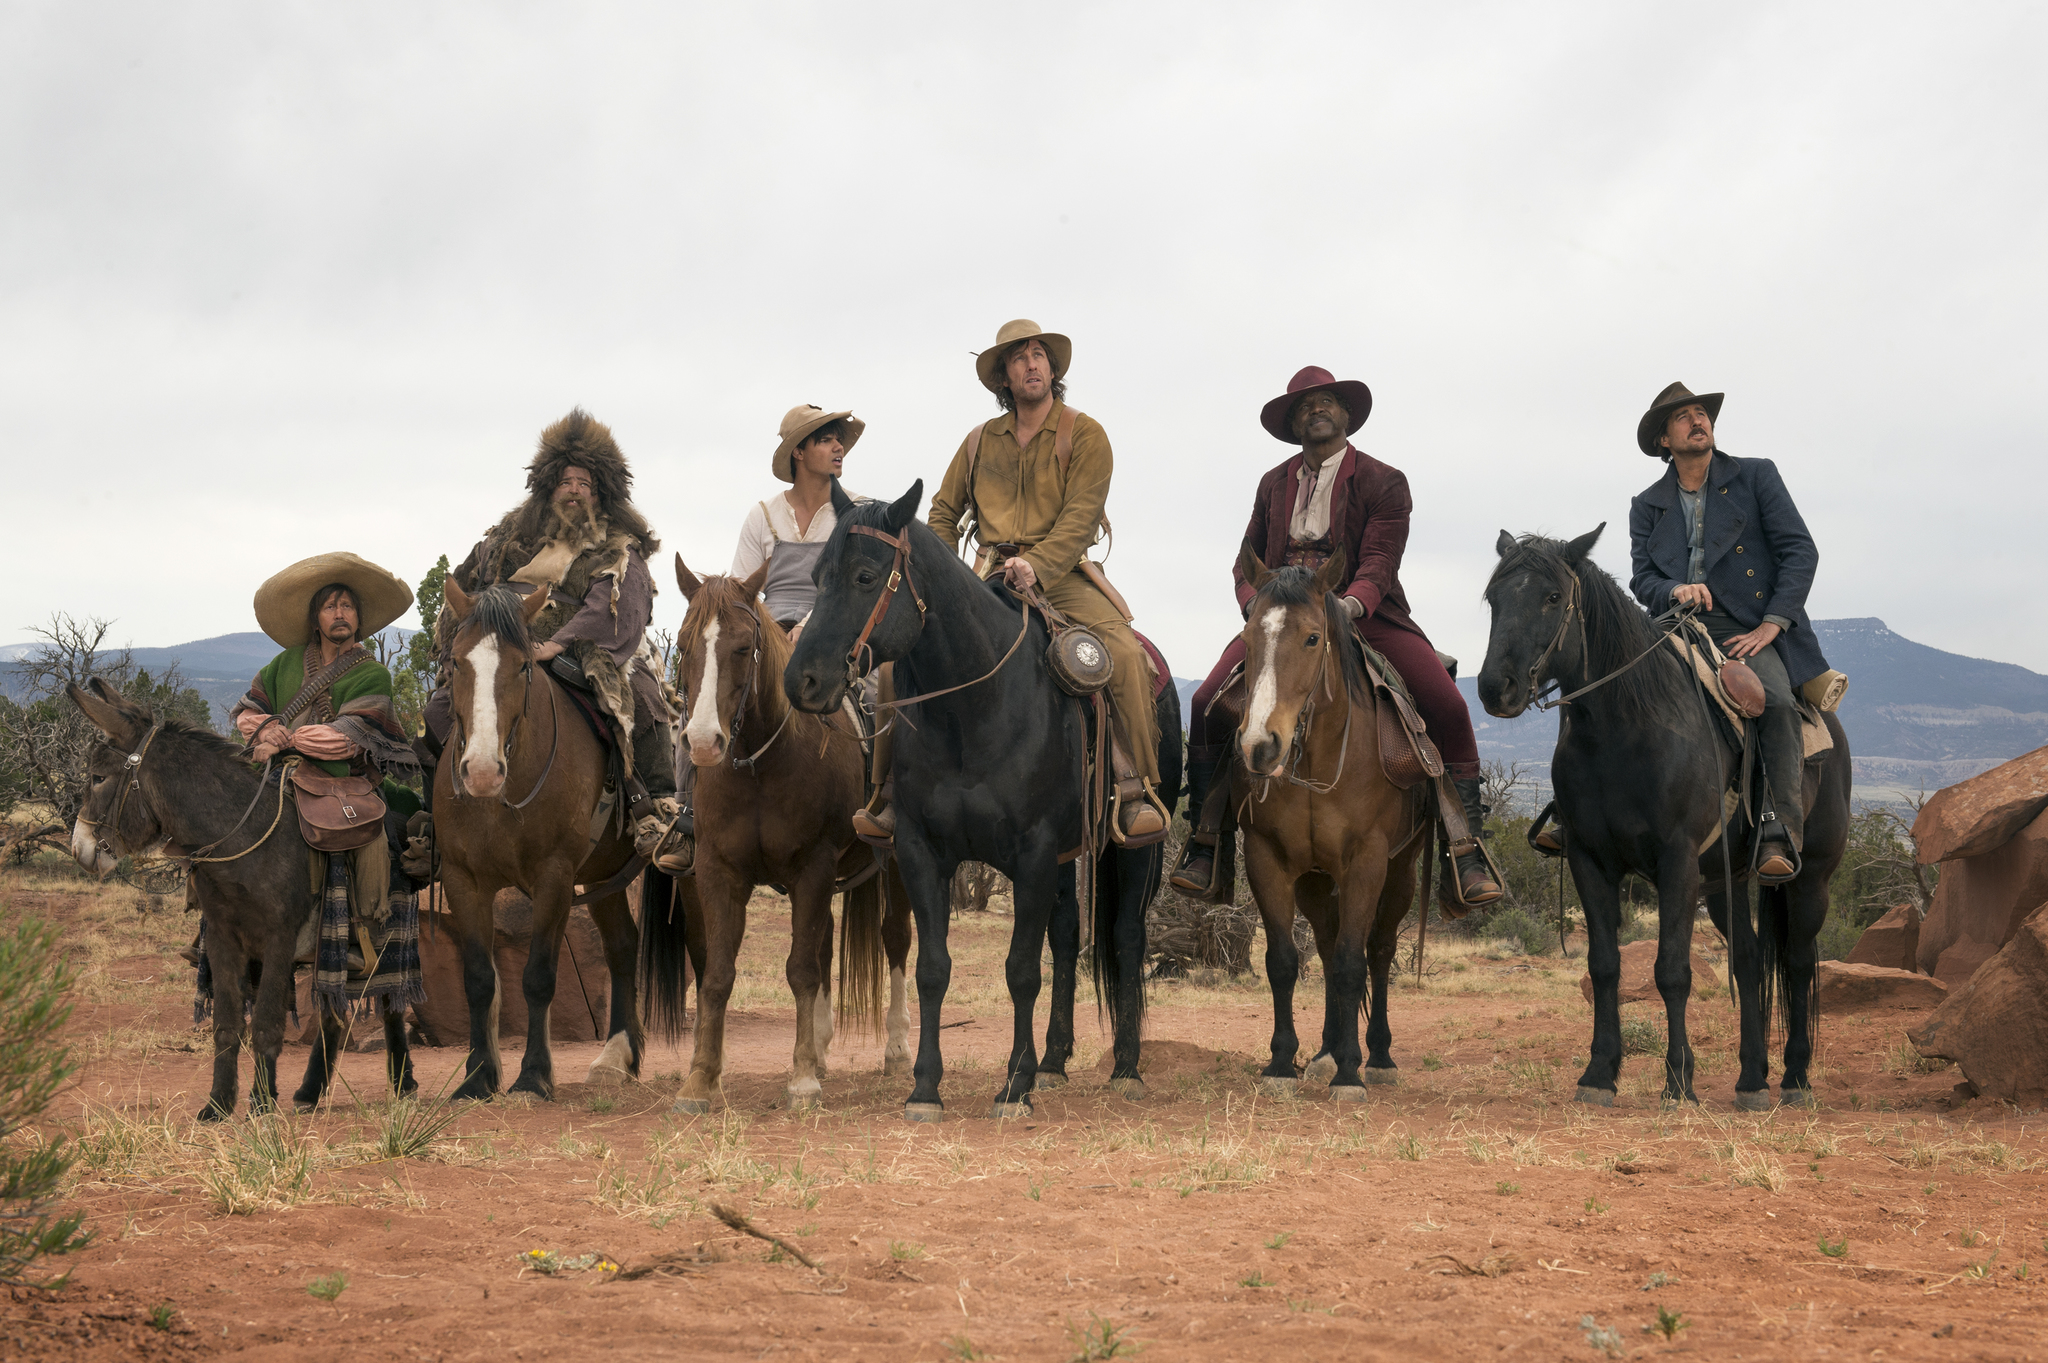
[(582, 440)]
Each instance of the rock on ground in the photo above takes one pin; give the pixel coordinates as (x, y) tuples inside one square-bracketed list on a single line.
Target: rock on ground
[(582, 991), (1892, 941), (1638, 978), (1977, 816), (1985, 898), (1853, 987), (1996, 1026)]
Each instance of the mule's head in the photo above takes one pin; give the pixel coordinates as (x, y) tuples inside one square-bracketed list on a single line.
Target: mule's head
[(719, 657), (1288, 643), (108, 827), (492, 652), (1532, 590), (853, 573)]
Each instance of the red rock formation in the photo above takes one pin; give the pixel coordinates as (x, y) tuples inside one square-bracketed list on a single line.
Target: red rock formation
[(1985, 898), (1996, 1026), (1979, 815), (1638, 978), (1893, 941), (1851, 987)]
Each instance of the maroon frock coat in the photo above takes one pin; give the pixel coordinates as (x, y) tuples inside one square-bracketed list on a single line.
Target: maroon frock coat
[(1369, 509)]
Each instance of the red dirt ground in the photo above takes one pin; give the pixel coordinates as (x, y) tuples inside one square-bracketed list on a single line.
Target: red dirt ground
[(1471, 1211)]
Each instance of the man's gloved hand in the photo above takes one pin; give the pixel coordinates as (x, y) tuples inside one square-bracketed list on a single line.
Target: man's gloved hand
[(1353, 607)]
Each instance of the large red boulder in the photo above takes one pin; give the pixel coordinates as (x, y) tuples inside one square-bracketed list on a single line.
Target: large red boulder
[(1638, 975), (1851, 987), (1985, 898), (583, 984), (1977, 816), (1996, 1026), (1892, 941)]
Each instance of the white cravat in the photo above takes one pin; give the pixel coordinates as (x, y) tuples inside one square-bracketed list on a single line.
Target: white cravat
[(1311, 519)]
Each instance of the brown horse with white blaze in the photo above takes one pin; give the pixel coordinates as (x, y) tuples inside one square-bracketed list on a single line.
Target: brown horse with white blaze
[(775, 794), (514, 798), (1325, 831)]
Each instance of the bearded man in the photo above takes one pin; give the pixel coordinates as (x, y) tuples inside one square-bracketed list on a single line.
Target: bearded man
[(578, 537), (1031, 486), (1332, 498)]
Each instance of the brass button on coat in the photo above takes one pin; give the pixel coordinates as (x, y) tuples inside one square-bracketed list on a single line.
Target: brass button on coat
[(1738, 548), (1752, 572)]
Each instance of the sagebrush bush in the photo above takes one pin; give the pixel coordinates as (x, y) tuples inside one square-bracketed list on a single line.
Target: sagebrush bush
[(33, 1066)]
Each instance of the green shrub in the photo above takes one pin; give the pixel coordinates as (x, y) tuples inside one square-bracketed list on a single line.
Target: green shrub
[(33, 1066), (1530, 934)]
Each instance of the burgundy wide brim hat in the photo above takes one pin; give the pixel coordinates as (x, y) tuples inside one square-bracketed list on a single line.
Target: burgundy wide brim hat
[(1355, 396)]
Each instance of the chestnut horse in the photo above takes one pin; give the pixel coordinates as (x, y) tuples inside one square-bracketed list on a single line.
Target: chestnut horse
[(1325, 831), (514, 796), (776, 792)]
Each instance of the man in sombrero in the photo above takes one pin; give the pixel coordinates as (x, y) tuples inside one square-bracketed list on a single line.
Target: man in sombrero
[(1333, 498), (1722, 535), (1031, 487), (579, 538)]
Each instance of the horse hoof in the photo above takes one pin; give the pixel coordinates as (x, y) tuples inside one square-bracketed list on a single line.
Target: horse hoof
[(302, 1107), (1671, 1102), (896, 1066), (1275, 1087), (1759, 1101), (1131, 1089), (799, 1098), (1347, 1093), (213, 1112), (1593, 1097), (1321, 1070), (607, 1077), (1381, 1076), (924, 1112), (1798, 1098), (691, 1107), (1000, 1111), (1046, 1080)]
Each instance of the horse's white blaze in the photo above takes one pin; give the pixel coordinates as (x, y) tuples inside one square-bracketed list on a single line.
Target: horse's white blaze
[(483, 744), (1266, 687), (703, 730)]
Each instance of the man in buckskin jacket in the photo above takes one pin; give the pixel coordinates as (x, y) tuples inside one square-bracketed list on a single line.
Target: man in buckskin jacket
[(578, 537)]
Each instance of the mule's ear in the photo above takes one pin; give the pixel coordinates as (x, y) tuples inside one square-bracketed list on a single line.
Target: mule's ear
[(752, 586), (456, 603), (1332, 576), (687, 580), (1505, 545), (904, 509), (105, 691), (534, 603), (1248, 563), (841, 503), (1575, 552), (107, 716)]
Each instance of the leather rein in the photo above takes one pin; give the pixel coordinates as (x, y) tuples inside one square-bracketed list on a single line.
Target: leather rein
[(752, 764), (132, 770), (899, 573), (1572, 607)]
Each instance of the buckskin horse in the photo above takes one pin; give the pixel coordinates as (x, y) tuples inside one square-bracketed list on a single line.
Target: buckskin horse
[(1640, 770), (514, 798), (1325, 830), (989, 766), (776, 792), (165, 784)]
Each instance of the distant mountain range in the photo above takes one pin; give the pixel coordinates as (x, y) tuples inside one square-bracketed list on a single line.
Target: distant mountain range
[(1917, 718), (219, 668)]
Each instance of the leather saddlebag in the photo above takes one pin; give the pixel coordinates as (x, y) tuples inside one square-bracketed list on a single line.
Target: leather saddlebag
[(337, 813), (1078, 661), (1740, 684)]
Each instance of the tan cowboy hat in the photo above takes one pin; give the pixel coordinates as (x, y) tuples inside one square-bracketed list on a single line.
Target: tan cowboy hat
[(1651, 428), (799, 423), (1023, 329), (283, 602)]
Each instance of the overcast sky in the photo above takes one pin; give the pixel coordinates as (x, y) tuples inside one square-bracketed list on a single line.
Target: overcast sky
[(282, 278)]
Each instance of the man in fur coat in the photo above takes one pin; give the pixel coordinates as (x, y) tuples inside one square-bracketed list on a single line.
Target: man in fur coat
[(578, 537)]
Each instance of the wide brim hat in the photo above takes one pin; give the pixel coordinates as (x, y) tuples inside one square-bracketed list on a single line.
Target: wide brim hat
[(1655, 421), (1276, 415), (800, 423), (989, 361), (286, 599)]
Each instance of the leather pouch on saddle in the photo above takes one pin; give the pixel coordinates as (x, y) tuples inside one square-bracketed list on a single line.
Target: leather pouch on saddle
[(336, 813)]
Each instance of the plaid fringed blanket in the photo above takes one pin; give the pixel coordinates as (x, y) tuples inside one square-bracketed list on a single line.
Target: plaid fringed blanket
[(390, 972)]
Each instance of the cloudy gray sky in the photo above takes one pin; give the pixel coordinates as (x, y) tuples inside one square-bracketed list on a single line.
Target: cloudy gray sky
[(279, 278)]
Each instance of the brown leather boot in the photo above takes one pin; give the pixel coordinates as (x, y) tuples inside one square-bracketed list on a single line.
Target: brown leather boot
[(1476, 885), (1196, 874), (1140, 820), (876, 827)]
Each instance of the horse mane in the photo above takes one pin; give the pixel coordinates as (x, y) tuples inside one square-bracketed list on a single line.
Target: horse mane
[(1295, 586), (1617, 629), (500, 612)]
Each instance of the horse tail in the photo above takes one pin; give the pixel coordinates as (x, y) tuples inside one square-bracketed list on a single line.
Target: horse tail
[(1774, 958), (664, 954), (1106, 965), (861, 959)]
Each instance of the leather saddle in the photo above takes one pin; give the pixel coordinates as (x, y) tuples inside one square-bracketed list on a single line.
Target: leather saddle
[(577, 685)]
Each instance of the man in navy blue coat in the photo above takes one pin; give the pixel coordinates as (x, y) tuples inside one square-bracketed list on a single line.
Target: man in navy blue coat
[(1722, 534)]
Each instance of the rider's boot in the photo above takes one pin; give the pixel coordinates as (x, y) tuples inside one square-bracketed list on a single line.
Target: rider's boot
[(1476, 884), (1141, 816), (1196, 874), (875, 822), (417, 860), (1784, 828), (659, 831)]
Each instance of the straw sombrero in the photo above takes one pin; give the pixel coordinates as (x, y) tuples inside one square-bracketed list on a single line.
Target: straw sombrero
[(799, 424), (1023, 329), (283, 602)]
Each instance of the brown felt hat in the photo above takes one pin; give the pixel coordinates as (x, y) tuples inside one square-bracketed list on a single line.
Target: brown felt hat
[(1277, 416), (1023, 329), (800, 424), (283, 602), (1651, 428)]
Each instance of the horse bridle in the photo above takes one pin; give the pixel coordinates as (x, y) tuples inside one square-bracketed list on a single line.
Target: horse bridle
[(739, 715), (1303, 723), (1677, 615), (899, 573), (131, 768), (511, 733)]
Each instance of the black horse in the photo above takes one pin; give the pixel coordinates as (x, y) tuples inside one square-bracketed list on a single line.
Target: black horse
[(992, 772), (165, 783), (1639, 771)]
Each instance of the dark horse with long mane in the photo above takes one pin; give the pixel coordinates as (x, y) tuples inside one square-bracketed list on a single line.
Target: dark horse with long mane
[(1640, 771), (167, 785), (993, 770)]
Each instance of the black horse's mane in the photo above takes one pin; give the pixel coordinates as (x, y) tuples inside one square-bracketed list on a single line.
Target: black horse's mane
[(500, 612), (1617, 629), (1295, 586)]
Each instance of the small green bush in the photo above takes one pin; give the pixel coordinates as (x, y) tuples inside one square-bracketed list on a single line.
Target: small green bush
[(1530, 934), (33, 1066)]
